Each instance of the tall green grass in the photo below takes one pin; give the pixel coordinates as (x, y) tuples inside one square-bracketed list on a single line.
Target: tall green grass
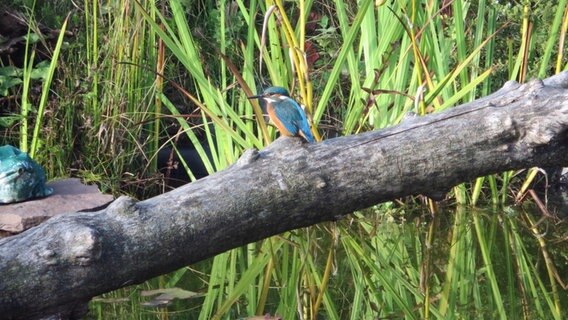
[(32, 112), (120, 116)]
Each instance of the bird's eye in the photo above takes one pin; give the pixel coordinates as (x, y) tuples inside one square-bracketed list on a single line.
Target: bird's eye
[(21, 170)]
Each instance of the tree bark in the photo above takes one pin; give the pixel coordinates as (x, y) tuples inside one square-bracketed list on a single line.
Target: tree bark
[(56, 268)]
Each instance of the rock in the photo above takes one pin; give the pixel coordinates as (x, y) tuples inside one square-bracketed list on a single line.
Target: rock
[(69, 195)]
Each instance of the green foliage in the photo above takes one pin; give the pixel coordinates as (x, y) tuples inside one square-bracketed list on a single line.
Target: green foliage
[(11, 76)]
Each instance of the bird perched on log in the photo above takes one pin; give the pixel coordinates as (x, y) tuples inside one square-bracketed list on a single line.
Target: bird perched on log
[(285, 113)]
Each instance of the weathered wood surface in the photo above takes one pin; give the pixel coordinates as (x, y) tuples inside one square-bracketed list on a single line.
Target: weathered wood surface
[(57, 267)]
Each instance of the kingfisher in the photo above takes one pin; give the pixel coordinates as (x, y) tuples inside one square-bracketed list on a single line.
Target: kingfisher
[(285, 113)]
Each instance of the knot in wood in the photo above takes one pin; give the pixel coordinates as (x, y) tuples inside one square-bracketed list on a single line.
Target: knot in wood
[(559, 81), (502, 124), (81, 246), (320, 182), (48, 256), (510, 85), (122, 206), (248, 157), (534, 85)]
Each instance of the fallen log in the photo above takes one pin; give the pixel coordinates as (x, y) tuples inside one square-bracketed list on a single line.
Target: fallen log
[(56, 268)]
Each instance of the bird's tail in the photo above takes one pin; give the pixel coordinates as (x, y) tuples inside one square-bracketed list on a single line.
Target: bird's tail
[(307, 135)]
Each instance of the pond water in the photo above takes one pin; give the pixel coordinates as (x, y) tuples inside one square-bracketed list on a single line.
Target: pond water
[(392, 263)]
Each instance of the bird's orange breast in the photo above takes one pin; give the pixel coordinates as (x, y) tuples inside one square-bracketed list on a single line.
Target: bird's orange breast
[(277, 122)]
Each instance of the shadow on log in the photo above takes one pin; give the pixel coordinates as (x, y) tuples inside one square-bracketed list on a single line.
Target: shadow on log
[(56, 268)]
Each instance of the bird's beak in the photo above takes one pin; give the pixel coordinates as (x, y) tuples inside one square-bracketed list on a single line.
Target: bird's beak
[(255, 97)]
